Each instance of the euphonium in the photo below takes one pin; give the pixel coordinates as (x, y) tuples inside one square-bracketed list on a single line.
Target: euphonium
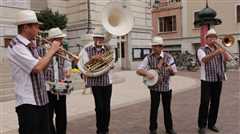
[(96, 67)]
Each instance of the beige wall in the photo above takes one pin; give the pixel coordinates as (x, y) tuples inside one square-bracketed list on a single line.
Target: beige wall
[(38, 5), (226, 11), (8, 10), (172, 10), (57, 5)]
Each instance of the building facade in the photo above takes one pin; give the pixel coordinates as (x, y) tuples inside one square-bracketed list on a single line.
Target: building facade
[(8, 29), (8, 9), (84, 15), (173, 20)]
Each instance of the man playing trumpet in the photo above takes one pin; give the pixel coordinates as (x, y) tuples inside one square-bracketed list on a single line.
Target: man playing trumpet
[(212, 58), (164, 64), (27, 72), (58, 72), (101, 85)]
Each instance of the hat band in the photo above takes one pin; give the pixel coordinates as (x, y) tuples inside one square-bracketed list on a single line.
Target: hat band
[(57, 35)]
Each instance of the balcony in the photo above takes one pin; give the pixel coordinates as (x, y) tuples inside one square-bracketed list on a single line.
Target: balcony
[(167, 5)]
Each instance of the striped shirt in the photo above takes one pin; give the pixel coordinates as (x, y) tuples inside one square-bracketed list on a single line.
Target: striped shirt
[(214, 70), (30, 87), (151, 62), (49, 72), (105, 78)]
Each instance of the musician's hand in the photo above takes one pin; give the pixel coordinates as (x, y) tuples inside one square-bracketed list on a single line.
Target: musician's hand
[(220, 51), (159, 66), (61, 52), (150, 76), (55, 46), (98, 57), (162, 64)]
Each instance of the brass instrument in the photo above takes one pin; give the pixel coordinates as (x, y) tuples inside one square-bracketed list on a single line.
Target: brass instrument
[(62, 52), (117, 20), (228, 41), (96, 65)]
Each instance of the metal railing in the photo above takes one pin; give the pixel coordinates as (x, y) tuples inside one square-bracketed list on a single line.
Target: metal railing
[(165, 4)]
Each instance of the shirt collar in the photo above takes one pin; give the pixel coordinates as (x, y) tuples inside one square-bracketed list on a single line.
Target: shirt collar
[(162, 54), (207, 46), (24, 40), (93, 45)]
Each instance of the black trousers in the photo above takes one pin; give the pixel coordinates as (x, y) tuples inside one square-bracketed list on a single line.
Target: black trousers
[(33, 119), (57, 106), (210, 95), (102, 96), (166, 101)]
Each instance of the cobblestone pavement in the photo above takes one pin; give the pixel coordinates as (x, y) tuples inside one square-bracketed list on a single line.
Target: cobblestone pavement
[(133, 119)]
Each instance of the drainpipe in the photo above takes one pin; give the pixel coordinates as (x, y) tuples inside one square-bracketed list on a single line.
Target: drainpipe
[(89, 17)]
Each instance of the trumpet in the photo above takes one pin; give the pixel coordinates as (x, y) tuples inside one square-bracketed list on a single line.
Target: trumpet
[(62, 52), (228, 41)]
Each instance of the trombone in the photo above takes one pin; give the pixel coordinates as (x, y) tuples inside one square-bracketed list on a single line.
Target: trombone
[(228, 41), (65, 55)]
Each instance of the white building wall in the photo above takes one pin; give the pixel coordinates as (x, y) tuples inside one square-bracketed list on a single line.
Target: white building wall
[(8, 10)]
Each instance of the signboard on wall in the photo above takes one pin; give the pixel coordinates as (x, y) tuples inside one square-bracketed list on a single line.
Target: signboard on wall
[(140, 53)]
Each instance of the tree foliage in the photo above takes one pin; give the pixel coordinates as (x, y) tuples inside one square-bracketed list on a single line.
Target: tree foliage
[(52, 19)]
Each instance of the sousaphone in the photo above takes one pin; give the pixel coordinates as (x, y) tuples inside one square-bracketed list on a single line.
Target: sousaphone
[(117, 20)]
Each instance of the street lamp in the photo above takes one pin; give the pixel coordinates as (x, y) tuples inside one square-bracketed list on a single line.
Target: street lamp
[(206, 19)]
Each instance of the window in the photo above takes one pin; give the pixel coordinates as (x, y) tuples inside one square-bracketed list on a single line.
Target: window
[(238, 13), (172, 48), (196, 17), (156, 1), (140, 53), (167, 24), (122, 50), (172, 1), (7, 42)]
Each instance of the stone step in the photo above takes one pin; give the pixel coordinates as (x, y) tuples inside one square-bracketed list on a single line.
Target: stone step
[(6, 80), (7, 91), (4, 86), (8, 97), (5, 75), (5, 68)]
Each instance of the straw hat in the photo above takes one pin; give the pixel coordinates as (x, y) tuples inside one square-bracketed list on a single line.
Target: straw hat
[(55, 33), (26, 17), (157, 40)]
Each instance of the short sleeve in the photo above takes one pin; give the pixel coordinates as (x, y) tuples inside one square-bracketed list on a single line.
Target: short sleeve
[(21, 56), (144, 64), (83, 55), (67, 65), (201, 54), (172, 64)]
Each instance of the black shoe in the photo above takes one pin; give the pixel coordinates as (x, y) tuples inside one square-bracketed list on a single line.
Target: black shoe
[(171, 131), (214, 129), (202, 131), (153, 132), (103, 133)]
